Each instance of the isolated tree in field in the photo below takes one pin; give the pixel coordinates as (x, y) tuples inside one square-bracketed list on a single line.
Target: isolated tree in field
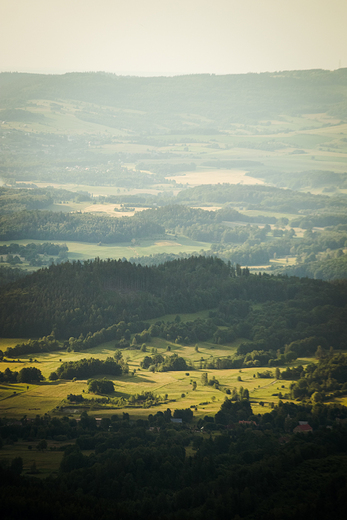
[(42, 445), (245, 394), (204, 379), (118, 355)]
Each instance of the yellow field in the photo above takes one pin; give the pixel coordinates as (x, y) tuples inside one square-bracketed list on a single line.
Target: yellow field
[(31, 400), (231, 176), (110, 210)]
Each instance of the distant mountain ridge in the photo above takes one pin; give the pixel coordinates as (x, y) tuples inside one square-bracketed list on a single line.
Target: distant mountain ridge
[(220, 99)]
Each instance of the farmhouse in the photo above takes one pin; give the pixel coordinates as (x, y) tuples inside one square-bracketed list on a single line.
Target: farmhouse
[(303, 427)]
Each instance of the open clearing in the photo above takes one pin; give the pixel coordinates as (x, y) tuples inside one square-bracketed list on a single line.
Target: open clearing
[(112, 210), (175, 388), (103, 190), (231, 176), (84, 250), (45, 462)]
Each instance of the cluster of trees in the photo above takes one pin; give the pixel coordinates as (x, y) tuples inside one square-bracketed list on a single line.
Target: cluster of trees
[(145, 399), (325, 380), (25, 375), (23, 199), (160, 363), (261, 198), (329, 268), (212, 382), (31, 252), (203, 225), (8, 376), (30, 375), (117, 331), (184, 333), (47, 225), (33, 346), (87, 368), (100, 386)]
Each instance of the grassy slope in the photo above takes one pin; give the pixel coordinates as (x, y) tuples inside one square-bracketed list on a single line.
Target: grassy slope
[(43, 398), (84, 250), (270, 141)]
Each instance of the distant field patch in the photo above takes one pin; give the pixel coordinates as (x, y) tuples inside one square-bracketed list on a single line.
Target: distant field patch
[(104, 190), (112, 210), (85, 250), (216, 177), (162, 243), (208, 208)]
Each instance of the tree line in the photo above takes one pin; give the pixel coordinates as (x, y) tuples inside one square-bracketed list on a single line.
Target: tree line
[(47, 225), (87, 368), (254, 468)]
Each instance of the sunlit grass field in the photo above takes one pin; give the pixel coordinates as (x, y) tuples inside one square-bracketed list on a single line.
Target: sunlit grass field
[(241, 141), (175, 388), (171, 383)]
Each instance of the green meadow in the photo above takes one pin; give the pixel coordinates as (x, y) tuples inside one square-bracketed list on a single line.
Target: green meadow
[(84, 250), (174, 388), (37, 463)]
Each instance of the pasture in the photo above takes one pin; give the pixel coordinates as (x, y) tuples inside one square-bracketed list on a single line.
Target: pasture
[(274, 143), (37, 463), (231, 176), (85, 250), (174, 388)]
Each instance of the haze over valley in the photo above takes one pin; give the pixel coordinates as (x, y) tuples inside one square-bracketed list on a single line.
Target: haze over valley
[(173, 260)]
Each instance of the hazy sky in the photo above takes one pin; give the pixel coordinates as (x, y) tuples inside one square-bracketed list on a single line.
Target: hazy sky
[(152, 37)]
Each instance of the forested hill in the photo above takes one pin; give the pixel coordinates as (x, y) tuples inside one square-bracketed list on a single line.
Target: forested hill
[(73, 299), (262, 198), (221, 99), (75, 226)]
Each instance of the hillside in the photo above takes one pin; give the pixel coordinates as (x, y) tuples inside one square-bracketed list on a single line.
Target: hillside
[(217, 99), (77, 299), (287, 128)]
